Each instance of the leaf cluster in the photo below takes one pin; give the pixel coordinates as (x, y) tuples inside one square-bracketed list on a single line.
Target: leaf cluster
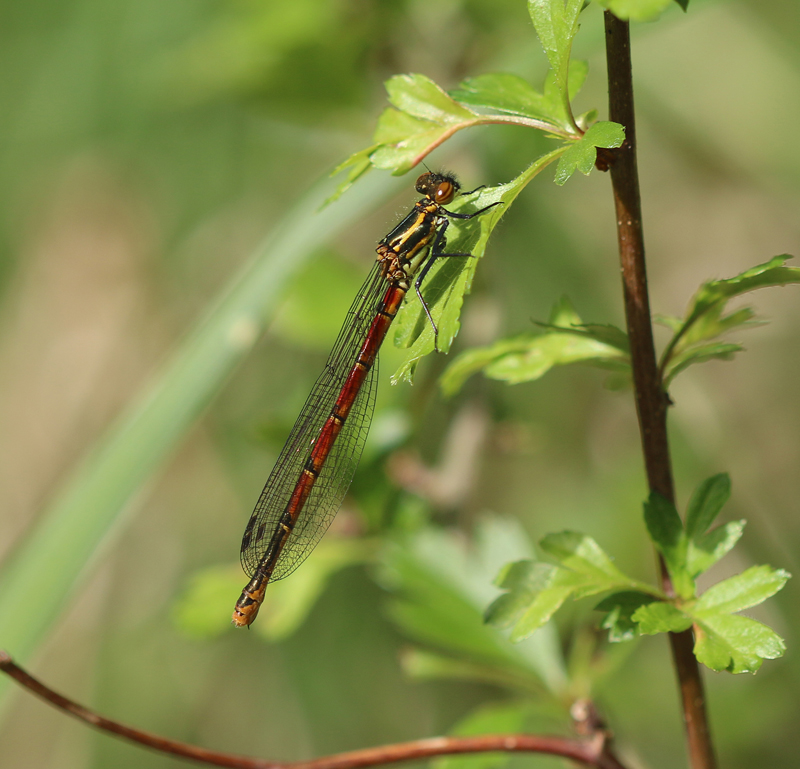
[(724, 640), (565, 339)]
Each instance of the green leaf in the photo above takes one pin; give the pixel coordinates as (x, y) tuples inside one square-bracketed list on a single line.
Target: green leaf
[(706, 502), (619, 608), (358, 163), (704, 319), (666, 530), (537, 591), (556, 23), (660, 617), (451, 278), (747, 589), (503, 92), (580, 553), (723, 641), (582, 154), (420, 97), (523, 580), (733, 643), (699, 354), (546, 603), (513, 95), (441, 587), (706, 549), (528, 357), (639, 10)]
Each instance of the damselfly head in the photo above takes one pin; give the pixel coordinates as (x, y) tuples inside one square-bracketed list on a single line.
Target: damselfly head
[(440, 188)]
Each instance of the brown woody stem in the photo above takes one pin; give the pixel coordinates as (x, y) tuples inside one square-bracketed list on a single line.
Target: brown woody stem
[(651, 400), (594, 750)]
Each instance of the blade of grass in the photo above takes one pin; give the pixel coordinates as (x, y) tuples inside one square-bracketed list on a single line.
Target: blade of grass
[(59, 552)]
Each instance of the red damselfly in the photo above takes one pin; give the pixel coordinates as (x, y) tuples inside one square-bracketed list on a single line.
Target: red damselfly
[(305, 488)]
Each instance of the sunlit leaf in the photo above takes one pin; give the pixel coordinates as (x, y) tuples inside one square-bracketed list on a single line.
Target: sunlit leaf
[(451, 278), (556, 23), (666, 530), (528, 357), (660, 617), (619, 608), (706, 502), (744, 590), (705, 550), (582, 154), (704, 319), (733, 643)]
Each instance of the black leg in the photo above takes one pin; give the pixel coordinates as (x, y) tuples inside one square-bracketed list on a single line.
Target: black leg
[(435, 254), (475, 213), (475, 190)]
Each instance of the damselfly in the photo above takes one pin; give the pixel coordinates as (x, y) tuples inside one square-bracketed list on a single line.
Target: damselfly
[(305, 488)]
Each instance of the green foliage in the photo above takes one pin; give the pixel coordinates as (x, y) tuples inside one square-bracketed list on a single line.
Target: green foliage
[(535, 590), (506, 93), (723, 640), (582, 154), (440, 589), (451, 278), (565, 340), (556, 23), (704, 321)]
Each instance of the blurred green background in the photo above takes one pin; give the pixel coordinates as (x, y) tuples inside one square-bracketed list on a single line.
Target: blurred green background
[(146, 151)]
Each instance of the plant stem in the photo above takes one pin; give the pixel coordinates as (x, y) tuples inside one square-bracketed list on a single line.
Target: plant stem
[(594, 750), (651, 400)]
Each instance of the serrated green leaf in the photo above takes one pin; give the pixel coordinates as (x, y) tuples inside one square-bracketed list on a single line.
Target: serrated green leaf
[(582, 154), (747, 589), (451, 278), (541, 609), (358, 163), (420, 97), (699, 354), (660, 617), (511, 94), (503, 92), (528, 357), (523, 580), (441, 587), (556, 23), (704, 319), (706, 502), (580, 553), (666, 530), (734, 643), (706, 549), (619, 608)]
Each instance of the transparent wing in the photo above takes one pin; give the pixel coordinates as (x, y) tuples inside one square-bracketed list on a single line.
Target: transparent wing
[(340, 465)]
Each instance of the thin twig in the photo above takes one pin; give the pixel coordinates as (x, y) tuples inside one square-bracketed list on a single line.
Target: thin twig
[(651, 400), (593, 751)]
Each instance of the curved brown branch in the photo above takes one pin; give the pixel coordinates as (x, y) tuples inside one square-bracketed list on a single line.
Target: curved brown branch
[(592, 751), (651, 400)]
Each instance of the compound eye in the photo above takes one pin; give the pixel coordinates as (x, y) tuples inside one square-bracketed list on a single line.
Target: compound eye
[(445, 192)]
